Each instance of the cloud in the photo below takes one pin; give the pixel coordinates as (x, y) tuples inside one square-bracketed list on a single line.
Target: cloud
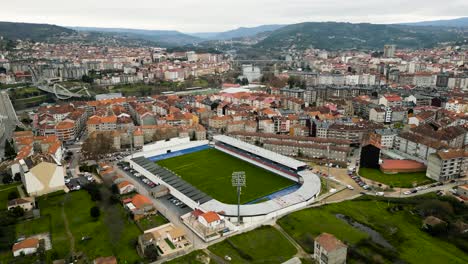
[(219, 15)]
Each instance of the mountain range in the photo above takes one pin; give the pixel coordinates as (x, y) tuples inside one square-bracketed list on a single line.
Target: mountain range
[(165, 37), (325, 35), (36, 32), (338, 35), (241, 32), (457, 22)]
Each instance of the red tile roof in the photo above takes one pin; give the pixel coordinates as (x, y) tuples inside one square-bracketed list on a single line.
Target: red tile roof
[(210, 216), (329, 242), (27, 243), (140, 201)]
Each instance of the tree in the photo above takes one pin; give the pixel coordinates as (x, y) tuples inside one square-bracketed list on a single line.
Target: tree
[(87, 79), (95, 212), (244, 81), (151, 252), (115, 189), (97, 145), (17, 177), (7, 179), (16, 212), (94, 191), (12, 195), (10, 152), (295, 81)]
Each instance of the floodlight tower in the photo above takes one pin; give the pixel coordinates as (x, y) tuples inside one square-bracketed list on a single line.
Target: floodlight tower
[(238, 180)]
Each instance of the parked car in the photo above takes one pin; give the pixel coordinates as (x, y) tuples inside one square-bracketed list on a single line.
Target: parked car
[(350, 187), (407, 193), (379, 193)]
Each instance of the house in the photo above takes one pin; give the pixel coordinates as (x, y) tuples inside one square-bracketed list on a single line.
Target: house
[(105, 260), (27, 247), (42, 174), (329, 250), (209, 219), (26, 203), (168, 238), (125, 187), (140, 206), (431, 222)]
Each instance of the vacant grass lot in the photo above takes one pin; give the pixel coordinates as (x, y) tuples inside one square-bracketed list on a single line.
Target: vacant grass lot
[(262, 245), (152, 222), (195, 257), (401, 229), (210, 171), (76, 206), (404, 180)]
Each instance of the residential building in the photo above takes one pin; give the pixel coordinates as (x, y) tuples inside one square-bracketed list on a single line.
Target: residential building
[(448, 164), (27, 203), (383, 138), (27, 246), (389, 51), (210, 219), (329, 250)]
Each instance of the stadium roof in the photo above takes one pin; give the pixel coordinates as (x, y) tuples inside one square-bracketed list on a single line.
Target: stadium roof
[(273, 156), (172, 179)]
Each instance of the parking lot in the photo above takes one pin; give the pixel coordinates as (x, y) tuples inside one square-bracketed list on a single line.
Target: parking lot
[(136, 175), (169, 201), (75, 184)]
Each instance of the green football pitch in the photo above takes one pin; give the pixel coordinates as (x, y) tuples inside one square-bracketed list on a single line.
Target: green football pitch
[(210, 171)]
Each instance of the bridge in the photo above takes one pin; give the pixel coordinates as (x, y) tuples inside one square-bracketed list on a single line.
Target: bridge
[(57, 89)]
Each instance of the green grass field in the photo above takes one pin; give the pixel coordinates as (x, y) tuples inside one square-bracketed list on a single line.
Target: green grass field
[(401, 229), (404, 180), (152, 222), (210, 171), (262, 245), (106, 238)]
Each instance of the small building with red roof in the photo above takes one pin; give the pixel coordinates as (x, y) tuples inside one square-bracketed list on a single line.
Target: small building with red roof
[(209, 219), (27, 246)]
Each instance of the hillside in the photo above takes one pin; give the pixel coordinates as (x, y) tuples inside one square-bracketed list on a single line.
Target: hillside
[(165, 37), (35, 32), (458, 22), (241, 32), (333, 36)]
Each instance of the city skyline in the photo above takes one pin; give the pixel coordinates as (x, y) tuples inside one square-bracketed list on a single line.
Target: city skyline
[(212, 16)]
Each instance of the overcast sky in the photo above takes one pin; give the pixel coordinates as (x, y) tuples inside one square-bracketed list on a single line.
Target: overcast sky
[(220, 15)]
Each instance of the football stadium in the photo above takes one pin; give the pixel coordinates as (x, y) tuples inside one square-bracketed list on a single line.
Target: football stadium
[(199, 173)]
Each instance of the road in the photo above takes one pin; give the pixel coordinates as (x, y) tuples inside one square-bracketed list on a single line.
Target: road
[(9, 129), (75, 160)]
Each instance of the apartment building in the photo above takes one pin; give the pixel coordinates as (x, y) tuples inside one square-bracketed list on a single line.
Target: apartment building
[(294, 149), (448, 164), (329, 250), (417, 146), (383, 138)]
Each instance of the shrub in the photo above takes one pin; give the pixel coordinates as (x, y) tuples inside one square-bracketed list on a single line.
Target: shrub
[(95, 212)]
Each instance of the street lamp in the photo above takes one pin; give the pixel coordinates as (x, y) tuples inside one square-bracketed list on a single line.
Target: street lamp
[(239, 181)]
